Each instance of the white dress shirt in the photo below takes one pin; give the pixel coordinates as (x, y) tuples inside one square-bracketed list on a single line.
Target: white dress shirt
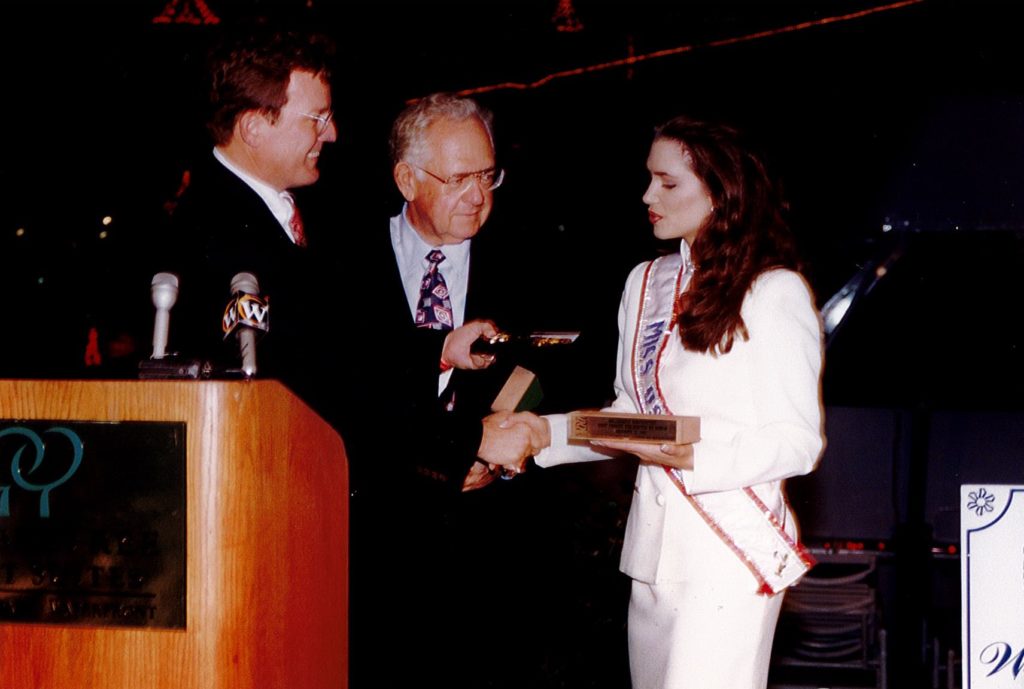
[(411, 253), (277, 201)]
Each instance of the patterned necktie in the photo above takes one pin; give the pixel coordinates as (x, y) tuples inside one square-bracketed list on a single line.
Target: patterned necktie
[(295, 224), (434, 309)]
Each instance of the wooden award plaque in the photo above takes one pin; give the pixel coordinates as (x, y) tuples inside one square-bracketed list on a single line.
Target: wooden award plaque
[(642, 428)]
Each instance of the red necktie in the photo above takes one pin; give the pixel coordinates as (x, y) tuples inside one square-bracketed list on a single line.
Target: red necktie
[(295, 224)]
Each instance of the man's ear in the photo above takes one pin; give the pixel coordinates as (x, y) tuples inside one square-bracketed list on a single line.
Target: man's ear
[(405, 179), (249, 127)]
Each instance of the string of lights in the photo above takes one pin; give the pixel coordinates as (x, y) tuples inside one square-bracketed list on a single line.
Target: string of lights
[(632, 60)]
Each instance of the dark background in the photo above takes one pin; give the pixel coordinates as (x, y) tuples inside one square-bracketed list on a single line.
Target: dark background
[(908, 118), (898, 136)]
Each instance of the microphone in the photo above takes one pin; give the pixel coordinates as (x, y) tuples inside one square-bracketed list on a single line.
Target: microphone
[(246, 314), (162, 365), (164, 291)]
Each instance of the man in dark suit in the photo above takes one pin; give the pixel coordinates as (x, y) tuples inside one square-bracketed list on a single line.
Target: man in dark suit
[(432, 530), (270, 118)]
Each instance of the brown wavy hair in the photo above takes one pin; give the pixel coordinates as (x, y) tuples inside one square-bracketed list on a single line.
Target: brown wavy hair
[(251, 67), (745, 235)]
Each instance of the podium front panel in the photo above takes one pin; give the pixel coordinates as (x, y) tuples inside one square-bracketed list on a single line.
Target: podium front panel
[(262, 483), (92, 523)]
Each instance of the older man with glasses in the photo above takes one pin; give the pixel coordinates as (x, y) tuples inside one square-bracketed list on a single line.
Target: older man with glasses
[(432, 530)]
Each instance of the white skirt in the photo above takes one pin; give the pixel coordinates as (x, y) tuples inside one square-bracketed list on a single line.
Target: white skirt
[(701, 635)]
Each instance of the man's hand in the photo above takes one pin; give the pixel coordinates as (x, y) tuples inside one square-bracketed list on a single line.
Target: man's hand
[(676, 456), (458, 342), (479, 475)]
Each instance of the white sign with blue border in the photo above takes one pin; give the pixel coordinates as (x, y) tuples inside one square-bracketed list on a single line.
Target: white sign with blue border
[(992, 585)]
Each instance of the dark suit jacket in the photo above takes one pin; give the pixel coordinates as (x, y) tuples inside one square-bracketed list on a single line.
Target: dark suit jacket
[(422, 549), (222, 227), (394, 372)]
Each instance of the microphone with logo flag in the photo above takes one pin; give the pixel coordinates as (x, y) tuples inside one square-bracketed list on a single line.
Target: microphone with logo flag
[(246, 315)]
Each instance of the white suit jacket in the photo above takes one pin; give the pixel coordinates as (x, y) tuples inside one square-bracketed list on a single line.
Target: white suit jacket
[(761, 422)]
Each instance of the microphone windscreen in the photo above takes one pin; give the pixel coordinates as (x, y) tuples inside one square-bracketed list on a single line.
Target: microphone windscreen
[(245, 283), (164, 290)]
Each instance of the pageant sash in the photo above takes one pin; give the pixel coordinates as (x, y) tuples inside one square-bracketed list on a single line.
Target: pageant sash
[(761, 543)]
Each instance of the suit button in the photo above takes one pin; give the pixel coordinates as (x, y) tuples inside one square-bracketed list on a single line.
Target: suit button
[(660, 500)]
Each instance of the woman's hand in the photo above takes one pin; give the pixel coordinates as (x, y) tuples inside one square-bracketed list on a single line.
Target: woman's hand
[(509, 438), (540, 429), (676, 456)]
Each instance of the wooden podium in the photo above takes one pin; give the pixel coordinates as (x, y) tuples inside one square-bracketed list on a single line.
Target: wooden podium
[(266, 543)]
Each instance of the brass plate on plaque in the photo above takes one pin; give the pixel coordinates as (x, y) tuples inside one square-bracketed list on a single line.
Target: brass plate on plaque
[(641, 428), (92, 523)]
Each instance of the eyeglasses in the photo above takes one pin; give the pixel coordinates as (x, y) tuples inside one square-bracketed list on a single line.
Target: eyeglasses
[(322, 121), (459, 184)]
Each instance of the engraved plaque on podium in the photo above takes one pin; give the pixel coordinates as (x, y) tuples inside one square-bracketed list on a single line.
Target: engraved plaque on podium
[(642, 428), (92, 523)]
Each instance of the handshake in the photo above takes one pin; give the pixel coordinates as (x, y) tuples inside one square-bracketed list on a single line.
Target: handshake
[(508, 440)]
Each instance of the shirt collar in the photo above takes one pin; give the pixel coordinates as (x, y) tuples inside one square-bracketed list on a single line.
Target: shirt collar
[(278, 205)]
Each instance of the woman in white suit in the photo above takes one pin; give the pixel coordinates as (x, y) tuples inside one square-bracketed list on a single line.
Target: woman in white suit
[(725, 330)]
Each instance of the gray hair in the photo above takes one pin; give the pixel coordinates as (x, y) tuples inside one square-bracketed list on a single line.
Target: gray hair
[(408, 140)]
